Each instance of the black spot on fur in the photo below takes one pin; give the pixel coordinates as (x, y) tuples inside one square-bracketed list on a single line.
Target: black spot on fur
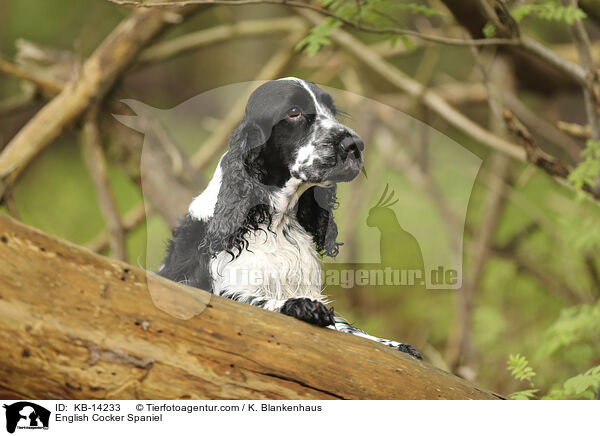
[(308, 310), (408, 349)]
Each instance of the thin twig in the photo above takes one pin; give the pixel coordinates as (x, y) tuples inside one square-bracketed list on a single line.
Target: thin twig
[(20, 101), (460, 348), (9, 201), (131, 220), (584, 49), (535, 155), (570, 68), (542, 127), (213, 35), (590, 264), (326, 12), (576, 130), (43, 81), (93, 156)]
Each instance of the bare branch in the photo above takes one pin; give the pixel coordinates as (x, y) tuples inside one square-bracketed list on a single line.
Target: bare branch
[(535, 155), (328, 13), (216, 34), (571, 69), (577, 130), (97, 76), (11, 206), (20, 101), (131, 220), (460, 349), (93, 156), (49, 84), (584, 49)]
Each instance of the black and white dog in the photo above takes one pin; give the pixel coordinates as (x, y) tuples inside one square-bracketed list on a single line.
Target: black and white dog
[(257, 231)]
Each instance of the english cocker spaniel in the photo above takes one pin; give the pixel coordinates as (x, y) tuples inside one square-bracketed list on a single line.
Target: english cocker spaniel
[(258, 230)]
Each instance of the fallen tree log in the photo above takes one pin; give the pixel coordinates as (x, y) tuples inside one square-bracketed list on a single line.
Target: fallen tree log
[(76, 325)]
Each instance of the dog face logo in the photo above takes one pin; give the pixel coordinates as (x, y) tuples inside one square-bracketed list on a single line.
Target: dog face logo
[(26, 415)]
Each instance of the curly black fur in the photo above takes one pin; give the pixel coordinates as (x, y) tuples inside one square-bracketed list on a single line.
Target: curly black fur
[(409, 349), (308, 310), (315, 214), (187, 259)]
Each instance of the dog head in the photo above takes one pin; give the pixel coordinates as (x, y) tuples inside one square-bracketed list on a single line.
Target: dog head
[(290, 130)]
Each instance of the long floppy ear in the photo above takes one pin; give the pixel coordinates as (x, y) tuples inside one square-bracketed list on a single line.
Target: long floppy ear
[(315, 214), (243, 201)]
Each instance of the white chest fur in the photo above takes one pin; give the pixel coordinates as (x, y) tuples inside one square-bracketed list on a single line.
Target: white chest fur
[(278, 264)]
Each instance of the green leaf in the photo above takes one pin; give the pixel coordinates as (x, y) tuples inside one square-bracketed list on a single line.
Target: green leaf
[(574, 324), (588, 170), (526, 394), (520, 369), (584, 386), (550, 11), (318, 36), (489, 30), (407, 42)]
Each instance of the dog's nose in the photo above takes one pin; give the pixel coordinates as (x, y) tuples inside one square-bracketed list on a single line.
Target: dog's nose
[(352, 143)]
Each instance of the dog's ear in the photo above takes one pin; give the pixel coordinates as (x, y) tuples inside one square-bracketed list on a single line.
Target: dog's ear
[(252, 139), (243, 201), (315, 214)]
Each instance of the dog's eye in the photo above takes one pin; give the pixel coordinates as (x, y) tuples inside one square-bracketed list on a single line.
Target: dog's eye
[(294, 113)]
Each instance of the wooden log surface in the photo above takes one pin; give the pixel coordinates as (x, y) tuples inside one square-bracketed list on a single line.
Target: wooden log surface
[(76, 325)]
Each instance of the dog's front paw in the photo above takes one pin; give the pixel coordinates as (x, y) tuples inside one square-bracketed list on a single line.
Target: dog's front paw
[(308, 310), (408, 349)]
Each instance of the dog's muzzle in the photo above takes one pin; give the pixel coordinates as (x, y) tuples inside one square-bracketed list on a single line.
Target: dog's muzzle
[(348, 157)]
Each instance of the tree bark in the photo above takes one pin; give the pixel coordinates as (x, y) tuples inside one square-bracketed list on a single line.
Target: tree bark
[(76, 325)]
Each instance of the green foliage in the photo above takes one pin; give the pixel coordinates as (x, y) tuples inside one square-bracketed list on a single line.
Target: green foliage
[(549, 10), (489, 30), (575, 324), (585, 236), (527, 394), (319, 36), (520, 369), (583, 383), (581, 386), (588, 170), (367, 12)]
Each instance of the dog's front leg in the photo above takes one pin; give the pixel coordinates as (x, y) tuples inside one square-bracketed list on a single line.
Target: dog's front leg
[(343, 326), (305, 309)]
